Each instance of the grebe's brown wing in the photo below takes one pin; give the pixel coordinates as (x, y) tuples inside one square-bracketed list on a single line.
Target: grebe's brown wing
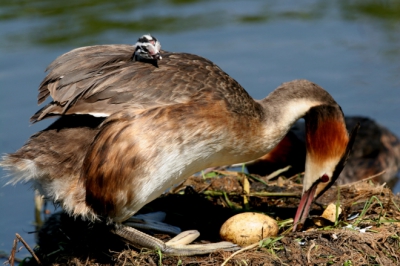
[(81, 64), (102, 80)]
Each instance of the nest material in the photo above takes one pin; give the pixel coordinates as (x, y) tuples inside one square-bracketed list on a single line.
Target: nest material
[(205, 203)]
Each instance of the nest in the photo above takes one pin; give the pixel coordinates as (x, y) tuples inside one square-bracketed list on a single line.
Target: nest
[(366, 233)]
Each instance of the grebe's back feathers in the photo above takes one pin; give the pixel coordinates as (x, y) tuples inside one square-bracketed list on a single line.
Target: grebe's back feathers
[(101, 80)]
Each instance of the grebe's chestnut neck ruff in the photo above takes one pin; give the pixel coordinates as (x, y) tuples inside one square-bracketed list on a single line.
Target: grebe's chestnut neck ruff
[(129, 130), (375, 149)]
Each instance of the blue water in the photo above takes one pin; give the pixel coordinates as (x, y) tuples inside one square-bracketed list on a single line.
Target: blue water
[(350, 49)]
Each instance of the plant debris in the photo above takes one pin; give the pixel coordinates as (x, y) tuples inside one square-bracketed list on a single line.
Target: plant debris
[(367, 232)]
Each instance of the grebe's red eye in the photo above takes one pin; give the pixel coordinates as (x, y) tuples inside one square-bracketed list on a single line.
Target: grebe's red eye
[(324, 178)]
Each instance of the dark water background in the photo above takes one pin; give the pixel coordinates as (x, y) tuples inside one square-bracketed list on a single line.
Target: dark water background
[(351, 48)]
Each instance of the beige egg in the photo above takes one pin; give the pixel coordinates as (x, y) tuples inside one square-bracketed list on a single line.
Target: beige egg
[(248, 228)]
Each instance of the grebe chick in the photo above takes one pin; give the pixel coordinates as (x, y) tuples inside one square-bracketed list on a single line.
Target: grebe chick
[(127, 131), (147, 48)]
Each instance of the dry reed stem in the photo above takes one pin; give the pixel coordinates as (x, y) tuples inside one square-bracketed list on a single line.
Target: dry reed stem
[(28, 248)]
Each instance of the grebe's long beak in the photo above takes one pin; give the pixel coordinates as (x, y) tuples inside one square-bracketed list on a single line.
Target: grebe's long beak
[(313, 192), (304, 206)]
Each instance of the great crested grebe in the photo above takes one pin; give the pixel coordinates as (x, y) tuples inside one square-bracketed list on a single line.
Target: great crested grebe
[(128, 130), (375, 149)]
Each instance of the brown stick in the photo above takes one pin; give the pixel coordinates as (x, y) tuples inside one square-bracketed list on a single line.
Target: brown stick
[(277, 173), (362, 180), (309, 251), (237, 252), (253, 194), (11, 259), (28, 248)]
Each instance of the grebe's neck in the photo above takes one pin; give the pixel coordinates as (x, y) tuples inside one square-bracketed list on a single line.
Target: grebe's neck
[(326, 134), (288, 103)]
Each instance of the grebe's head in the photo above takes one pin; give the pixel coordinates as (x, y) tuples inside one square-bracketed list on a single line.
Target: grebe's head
[(328, 147)]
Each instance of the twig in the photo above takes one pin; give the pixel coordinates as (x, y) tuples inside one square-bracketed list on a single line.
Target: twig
[(257, 179), (87, 261), (277, 172), (274, 194), (28, 248), (13, 250), (202, 190), (309, 251), (253, 194), (365, 179), (237, 252)]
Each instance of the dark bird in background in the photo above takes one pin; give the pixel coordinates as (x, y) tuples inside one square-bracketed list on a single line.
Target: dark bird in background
[(127, 130)]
